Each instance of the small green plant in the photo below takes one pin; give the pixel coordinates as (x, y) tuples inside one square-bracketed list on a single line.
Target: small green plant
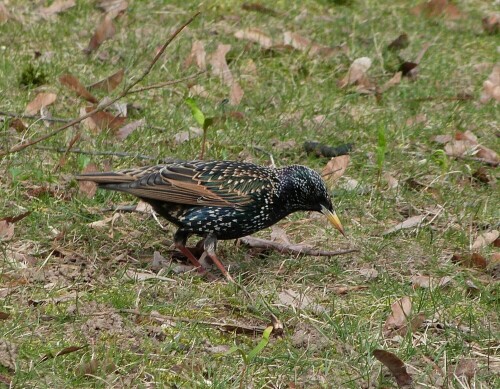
[(250, 356), (202, 121), (381, 149), (32, 76)]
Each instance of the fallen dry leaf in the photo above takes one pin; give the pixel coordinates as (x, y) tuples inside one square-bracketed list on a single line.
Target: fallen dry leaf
[(4, 315), (88, 188), (7, 226), (257, 7), (335, 168), (235, 94), (442, 139), (8, 354), (301, 43), (460, 148), (75, 85), (64, 351), (436, 8), (395, 80), (392, 182), (4, 13), (255, 35), (198, 90), (144, 276), (357, 73), (106, 222), (401, 311), (197, 56), (466, 367), (113, 7), (296, 300), (474, 260), (6, 230), (105, 30), (487, 155), (399, 43), (103, 120), (219, 64), (411, 222), (127, 129), (466, 135), (430, 282), (491, 87), (396, 366), (56, 7), (420, 118), (184, 136), (41, 100), (18, 125), (491, 24), (485, 239), (109, 83), (278, 234)]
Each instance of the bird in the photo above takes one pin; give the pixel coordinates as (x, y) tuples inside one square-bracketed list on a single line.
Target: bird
[(221, 200)]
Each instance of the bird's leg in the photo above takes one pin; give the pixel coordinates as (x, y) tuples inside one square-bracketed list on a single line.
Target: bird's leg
[(180, 239), (210, 246)]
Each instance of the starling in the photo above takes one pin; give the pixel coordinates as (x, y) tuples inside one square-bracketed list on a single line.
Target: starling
[(221, 199)]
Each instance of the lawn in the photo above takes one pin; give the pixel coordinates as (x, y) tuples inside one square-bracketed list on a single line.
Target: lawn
[(91, 296)]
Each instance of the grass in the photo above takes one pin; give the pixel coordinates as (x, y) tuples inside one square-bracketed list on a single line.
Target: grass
[(54, 253)]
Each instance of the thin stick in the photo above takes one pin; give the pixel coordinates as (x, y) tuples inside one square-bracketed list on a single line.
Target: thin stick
[(167, 83), (102, 105), (35, 117), (236, 327), (291, 249), (112, 153)]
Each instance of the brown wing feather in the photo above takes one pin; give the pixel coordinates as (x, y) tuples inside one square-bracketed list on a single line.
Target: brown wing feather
[(194, 183)]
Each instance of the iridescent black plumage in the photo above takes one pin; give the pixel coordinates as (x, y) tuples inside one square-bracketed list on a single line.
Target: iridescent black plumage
[(221, 199)]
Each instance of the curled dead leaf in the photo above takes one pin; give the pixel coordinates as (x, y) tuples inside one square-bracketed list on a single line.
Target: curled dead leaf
[(75, 85), (485, 239), (491, 24), (127, 129), (219, 64), (491, 87), (437, 8), (197, 56), (41, 100), (430, 282), (102, 120), (113, 7), (104, 31), (411, 222), (396, 366), (109, 83), (255, 35), (400, 312), (4, 13), (56, 7), (236, 94), (335, 168), (357, 73)]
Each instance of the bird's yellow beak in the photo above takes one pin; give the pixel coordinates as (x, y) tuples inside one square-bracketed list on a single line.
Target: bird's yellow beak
[(333, 219)]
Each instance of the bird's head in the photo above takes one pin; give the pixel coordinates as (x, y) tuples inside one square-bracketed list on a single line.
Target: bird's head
[(304, 190)]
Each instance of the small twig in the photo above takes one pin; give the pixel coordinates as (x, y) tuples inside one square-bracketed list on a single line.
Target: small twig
[(112, 153), (167, 83), (291, 249), (107, 102), (228, 327), (35, 117)]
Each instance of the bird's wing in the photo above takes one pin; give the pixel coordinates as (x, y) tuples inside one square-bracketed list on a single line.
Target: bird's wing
[(221, 183)]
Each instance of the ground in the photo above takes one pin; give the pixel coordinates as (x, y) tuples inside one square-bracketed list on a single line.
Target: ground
[(112, 289)]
